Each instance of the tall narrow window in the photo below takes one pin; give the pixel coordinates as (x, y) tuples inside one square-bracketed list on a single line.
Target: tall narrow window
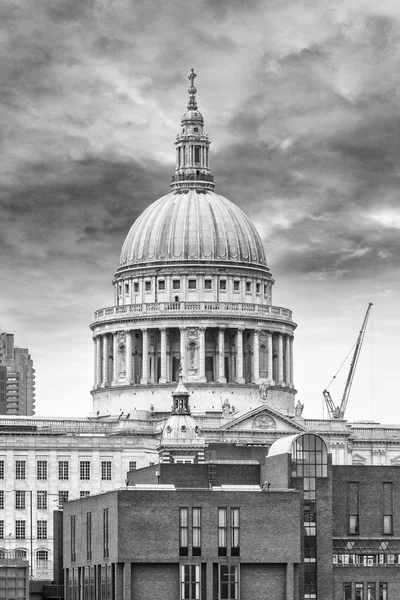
[(73, 538), (63, 470), (222, 531), (235, 532), (106, 470), (106, 549), (229, 582), (2, 529), (84, 469), (190, 582), (41, 529), (197, 154), (196, 532), (62, 498), (383, 591), (41, 500), (1, 499), (371, 591), (89, 535), (20, 469), (41, 468), (20, 500), (183, 532), (359, 591), (387, 508), (20, 530), (353, 508), (1, 469), (347, 591)]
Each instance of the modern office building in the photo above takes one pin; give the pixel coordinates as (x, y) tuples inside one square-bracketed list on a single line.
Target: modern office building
[(20, 378)]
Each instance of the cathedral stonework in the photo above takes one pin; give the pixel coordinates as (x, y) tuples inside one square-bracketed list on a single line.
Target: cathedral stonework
[(193, 288)]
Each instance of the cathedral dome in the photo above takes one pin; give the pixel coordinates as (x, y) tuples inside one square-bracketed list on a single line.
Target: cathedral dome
[(192, 226)]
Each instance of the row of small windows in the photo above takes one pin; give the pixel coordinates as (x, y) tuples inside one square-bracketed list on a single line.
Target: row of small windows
[(41, 498), (42, 556), (63, 469), (369, 591), (192, 285), (228, 531), (20, 529)]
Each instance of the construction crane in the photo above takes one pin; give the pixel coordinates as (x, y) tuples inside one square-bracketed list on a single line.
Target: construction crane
[(337, 412)]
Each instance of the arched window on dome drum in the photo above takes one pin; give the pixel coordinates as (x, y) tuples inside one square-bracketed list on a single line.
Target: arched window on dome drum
[(263, 361), (192, 347)]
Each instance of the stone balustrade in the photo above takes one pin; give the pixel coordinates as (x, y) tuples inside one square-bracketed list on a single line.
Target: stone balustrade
[(195, 308)]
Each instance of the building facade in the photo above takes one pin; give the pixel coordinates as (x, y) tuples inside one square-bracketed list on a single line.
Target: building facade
[(18, 397)]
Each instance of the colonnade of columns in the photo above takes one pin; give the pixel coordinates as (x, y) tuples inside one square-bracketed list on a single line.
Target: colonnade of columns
[(219, 354)]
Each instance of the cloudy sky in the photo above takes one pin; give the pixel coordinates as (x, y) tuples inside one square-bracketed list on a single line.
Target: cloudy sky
[(301, 101)]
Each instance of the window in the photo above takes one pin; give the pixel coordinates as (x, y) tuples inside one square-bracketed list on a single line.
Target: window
[(236, 286), (1, 499), (41, 527), (106, 470), (208, 284), (161, 284), (42, 559), (73, 538), (84, 470), (353, 504), (190, 582), (19, 530), (136, 287), (176, 284), (106, 549), (248, 286), (147, 286), (235, 541), (196, 532), (42, 469), (20, 469), (21, 553), (383, 591), (371, 591), (132, 465), (2, 530), (387, 508), (63, 470), (359, 591), (222, 531), (127, 288), (192, 284), (20, 500), (229, 582), (265, 290), (197, 154), (62, 498), (89, 535), (1, 469), (183, 532), (258, 288), (84, 493), (41, 500), (222, 284)]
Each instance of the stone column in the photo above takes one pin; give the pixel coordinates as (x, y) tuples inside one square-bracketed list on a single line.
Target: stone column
[(98, 361), (182, 342), (129, 356), (291, 362), (115, 357), (105, 361), (202, 354), (270, 359), (163, 378), (256, 356), (127, 581), (145, 357), (239, 356), (221, 351), (280, 359), (287, 360)]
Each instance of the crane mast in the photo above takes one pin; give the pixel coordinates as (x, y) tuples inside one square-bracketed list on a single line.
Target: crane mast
[(338, 412)]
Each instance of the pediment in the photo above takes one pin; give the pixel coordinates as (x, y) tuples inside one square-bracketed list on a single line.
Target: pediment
[(263, 418), (357, 459)]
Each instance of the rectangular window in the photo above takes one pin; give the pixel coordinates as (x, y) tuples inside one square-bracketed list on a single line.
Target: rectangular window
[(84, 493), (235, 531), (222, 531), (347, 591), (248, 286), (41, 500), (183, 532), (192, 284), (196, 532), (147, 286), (258, 288), (62, 498), (41, 469), (41, 530), (176, 284), (371, 591), (161, 284), (383, 591), (73, 538), (387, 508), (136, 287), (197, 154), (265, 290), (1, 530), (106, 470), (190, 582), (63, 470), (222, 284), (89, 535), (127, 288), (1, 469), (1, 499), (132, 465), (236, 286), (208, 284), (353, 507), (359, 591), (19, 530), (20, 466), (84, 470), (229, 582), (20, 500), (106, 549)]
